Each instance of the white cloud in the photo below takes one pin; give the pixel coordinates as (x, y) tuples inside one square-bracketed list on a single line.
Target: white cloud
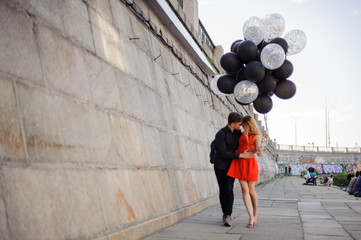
[(356, 11)]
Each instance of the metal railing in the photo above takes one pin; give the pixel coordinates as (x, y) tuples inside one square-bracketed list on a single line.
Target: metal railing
[(203, 35), (295, 148)]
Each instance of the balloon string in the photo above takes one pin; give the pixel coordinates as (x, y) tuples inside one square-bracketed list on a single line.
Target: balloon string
[(265, 139), (265, 122)]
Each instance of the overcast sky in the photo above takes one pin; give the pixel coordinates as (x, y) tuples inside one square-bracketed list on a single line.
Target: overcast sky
[(326, 72)]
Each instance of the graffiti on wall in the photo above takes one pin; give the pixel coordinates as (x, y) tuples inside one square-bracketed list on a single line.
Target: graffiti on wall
[(303, 159), (353, 167), (267, 167), (322, 168), (320, 160), (358, 167), (284, 158), (297, 168), (332, 168)]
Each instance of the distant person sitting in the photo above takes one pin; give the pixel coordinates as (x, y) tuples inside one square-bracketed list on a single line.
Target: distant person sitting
[(310, 177), (357, 188), (351, 185), (328, 181), (350, 176), (307, 176)]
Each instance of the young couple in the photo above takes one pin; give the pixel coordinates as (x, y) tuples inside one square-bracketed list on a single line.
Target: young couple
[(235, 159)]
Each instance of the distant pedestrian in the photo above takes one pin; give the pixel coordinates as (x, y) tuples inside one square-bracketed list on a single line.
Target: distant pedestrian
[(246, 169), (351, 185), (286, 170), (226, 146), (357, 188), (289, 170)]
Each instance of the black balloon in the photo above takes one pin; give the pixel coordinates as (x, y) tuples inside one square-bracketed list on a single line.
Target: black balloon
[(284, 71), (241, 76), (267, 84), (226, 84), (230, 62), (233, 74), (254, 71), (285, 89), (282, 42), (235, 45), (263, 104), (261, 45), (247, 51)]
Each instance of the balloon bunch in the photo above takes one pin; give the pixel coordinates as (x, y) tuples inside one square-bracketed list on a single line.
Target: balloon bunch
[(257, 66)]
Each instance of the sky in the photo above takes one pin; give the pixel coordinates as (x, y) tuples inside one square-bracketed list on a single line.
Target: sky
[(326, 72)]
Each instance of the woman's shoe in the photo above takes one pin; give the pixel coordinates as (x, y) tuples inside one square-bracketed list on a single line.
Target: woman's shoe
[(255, 221), (251, 223)]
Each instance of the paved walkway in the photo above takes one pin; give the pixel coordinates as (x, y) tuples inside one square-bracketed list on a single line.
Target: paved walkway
[(287, 210)]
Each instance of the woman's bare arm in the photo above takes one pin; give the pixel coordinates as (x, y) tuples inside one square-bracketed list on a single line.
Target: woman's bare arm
[(258, 142)]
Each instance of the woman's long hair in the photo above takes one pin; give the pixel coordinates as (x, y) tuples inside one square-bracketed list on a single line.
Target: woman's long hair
[(250, 127)]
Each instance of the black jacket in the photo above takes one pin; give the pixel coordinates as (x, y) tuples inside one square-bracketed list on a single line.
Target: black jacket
[(227, 144)]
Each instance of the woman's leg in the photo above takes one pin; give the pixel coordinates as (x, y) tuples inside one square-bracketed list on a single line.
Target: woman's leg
[(246, 198), (254, 197)]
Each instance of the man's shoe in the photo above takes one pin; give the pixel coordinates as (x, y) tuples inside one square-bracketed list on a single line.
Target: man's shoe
[(228, 221)]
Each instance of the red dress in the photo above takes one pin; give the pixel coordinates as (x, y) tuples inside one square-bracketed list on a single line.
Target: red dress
[(244, 168)]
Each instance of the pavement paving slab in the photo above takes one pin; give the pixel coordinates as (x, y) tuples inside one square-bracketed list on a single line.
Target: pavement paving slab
[(316, 237), (287, 210), (325, 231)]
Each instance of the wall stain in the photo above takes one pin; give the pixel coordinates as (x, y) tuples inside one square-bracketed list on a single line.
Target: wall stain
[(168, 89), (179, 148), (123, 203), (33, 141), (8, 138)]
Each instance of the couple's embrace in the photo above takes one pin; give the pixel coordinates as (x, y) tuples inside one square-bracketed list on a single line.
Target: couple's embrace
[(235, 159)]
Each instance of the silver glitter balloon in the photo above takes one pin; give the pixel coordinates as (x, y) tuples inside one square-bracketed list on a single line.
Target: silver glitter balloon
[(272, 56), (273, 26), (214, 86), (296, 40), (253, 30), (246, 91)]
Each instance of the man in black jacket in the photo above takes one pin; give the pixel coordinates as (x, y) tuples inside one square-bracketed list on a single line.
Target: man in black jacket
[(226, 144)]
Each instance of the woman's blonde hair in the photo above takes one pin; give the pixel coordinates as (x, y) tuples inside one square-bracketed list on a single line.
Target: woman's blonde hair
[(249, 126)]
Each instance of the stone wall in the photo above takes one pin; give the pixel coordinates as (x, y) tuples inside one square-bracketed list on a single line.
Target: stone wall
[(104, 132), (300, 157), (297, 169), (323, 162)]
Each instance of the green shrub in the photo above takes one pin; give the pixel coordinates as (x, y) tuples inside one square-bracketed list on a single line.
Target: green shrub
[(340, 179)]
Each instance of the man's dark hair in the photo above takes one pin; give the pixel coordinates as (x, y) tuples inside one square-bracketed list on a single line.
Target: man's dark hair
[(234, 117), (357, 173)]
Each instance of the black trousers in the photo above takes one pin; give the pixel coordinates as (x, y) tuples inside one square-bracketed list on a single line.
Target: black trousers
[(226, 196)]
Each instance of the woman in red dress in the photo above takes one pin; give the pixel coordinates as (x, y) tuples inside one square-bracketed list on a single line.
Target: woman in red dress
[(246, 169)]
